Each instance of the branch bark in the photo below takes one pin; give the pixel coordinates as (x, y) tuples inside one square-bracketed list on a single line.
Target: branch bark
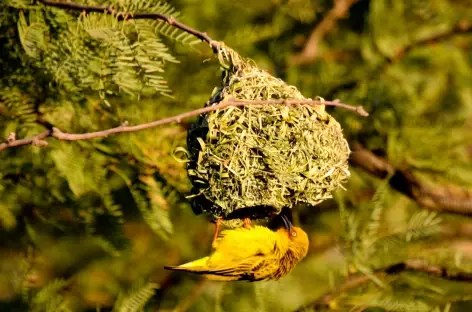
[(311, 50), (58, 134), (132, 15), (462, 27), (412, 265), (439, 198)]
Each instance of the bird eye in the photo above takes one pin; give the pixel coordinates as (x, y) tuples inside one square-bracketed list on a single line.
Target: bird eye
[(294, 233)]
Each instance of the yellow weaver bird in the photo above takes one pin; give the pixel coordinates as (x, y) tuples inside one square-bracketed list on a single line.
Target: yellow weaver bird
[(251, 254)]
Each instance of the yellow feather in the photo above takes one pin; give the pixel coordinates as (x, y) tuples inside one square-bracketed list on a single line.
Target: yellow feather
[(197, 263), (252, 254)]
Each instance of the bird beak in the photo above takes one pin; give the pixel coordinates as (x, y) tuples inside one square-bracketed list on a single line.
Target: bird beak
[(287, 223)]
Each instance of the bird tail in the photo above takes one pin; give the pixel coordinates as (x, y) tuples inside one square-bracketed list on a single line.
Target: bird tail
[(200, 267), (197, 266)]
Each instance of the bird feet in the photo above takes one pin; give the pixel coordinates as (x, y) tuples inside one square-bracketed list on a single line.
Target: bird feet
[(247, 223), (217, 230)]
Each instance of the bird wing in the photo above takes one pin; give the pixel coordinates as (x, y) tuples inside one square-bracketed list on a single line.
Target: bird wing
[(240, 254), (233, 272), (252, 269), (241, 243), (244, 254), (190, 265)]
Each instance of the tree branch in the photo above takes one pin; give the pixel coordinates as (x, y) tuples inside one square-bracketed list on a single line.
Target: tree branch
[(35, 140), (194, 294), (462, 27), (311, 50), (412, 265), (131, 15), (402, 180), (58, 134)]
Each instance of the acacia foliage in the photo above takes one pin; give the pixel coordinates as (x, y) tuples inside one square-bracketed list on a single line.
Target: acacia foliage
[(91, 223)]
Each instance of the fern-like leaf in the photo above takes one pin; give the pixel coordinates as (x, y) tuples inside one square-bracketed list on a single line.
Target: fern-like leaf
[(160, 27), (49, 298), (422, 224), (136, 299), (32, 35), (18, 105), (151, 202), (391, 302), (371, 229)]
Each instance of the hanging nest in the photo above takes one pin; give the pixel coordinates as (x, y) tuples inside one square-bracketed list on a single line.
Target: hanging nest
[(254, 160)]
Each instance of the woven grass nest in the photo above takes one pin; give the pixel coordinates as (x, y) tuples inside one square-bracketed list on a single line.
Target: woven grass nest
[(254, 160)]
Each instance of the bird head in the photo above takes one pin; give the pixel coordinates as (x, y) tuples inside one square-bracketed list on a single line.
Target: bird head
[(298, 238)]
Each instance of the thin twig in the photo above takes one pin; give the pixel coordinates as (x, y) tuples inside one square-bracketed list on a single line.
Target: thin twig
[(462, 27), (192, 297), (439, 198), (412, 265), (60, 135), (311, 50), (134, 15), (35, 139), (324, 300)]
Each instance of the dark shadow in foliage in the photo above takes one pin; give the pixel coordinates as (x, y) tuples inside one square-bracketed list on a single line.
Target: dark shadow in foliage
[(14, 306)]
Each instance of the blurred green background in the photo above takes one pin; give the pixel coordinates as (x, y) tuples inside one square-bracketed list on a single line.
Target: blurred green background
[(89, 225)]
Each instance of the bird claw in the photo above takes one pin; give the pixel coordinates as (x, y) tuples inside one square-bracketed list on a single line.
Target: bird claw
[(247, 223), (217, 230)]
